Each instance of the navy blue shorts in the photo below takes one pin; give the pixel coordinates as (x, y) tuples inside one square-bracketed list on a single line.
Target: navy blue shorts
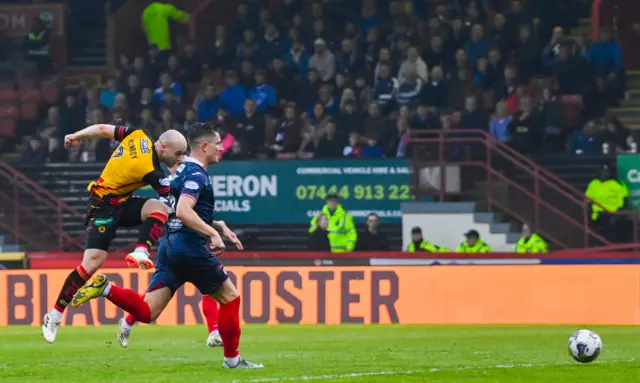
[(175, 268)]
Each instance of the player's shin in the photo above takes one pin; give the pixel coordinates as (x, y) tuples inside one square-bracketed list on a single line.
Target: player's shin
[(129, 301), (151, 230), (229, 328), (75, 280), (210, 312), (129, 320)]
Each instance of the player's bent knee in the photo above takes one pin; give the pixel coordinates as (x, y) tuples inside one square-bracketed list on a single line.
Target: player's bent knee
[(158, 300), (154, 206), (93, 259), (227, 293)]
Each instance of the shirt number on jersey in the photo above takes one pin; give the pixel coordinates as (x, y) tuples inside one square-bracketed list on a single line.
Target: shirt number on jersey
[(144, 147)]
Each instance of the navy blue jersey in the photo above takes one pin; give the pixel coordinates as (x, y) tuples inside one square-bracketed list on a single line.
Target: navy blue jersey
[(191, 181)]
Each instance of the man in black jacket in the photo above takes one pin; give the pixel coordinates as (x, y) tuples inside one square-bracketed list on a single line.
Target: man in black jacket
[(372, 239), (386, 88), (251, 128)]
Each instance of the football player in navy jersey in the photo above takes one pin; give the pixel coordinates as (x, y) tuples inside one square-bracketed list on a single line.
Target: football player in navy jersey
[(188, 253), (209, 305)]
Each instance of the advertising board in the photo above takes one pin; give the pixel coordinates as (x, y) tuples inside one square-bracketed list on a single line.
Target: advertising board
[(461, 294), (284, 192)]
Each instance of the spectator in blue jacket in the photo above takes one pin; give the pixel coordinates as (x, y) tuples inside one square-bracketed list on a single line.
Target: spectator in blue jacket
[(605, 59), (479, 46), (208, 107), (167, 83), (297, 58), (586, 141), (605, 56), (234, 95), (263, 94)]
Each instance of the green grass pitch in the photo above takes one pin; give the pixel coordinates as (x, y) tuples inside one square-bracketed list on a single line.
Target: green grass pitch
[(344, 354)]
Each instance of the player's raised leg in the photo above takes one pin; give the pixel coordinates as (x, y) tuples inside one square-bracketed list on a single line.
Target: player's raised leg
[(210, 313), (154, 217), (143, 310)]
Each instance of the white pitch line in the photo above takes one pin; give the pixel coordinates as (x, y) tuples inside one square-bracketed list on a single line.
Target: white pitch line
[(423, 371)]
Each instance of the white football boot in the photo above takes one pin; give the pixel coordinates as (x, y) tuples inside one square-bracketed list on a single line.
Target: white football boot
[(124, 332), (49, 328), (139, 258), (214, 339)]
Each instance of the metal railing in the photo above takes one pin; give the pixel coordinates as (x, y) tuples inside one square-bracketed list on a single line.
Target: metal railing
[(513, 184), (22, 193)]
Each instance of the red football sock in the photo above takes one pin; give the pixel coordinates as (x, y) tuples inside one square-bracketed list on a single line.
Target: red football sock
[(230, 328), (129, 318), (210, 311), (131, 302)]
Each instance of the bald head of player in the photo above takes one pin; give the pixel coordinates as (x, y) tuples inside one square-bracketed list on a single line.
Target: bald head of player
[(171, 147)]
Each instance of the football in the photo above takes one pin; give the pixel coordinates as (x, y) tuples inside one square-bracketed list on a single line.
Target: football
[(585, 346)]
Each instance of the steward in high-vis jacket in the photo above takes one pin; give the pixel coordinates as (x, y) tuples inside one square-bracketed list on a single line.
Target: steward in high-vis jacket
[(418, 243), (530, 242), (155, 20), (473, 244), (608, 193), (342, 231)]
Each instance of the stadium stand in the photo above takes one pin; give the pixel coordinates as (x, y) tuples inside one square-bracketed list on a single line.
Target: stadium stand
[(330, 80)]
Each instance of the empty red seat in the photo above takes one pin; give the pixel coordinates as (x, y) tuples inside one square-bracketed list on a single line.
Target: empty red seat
[(29, 111), (575, 99), (287, 156), (50, 91), (8, 96), (7, 127), (8, 111), (30, 95)]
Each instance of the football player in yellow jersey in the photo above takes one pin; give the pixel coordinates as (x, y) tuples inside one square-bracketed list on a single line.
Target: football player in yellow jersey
[(134, 163)]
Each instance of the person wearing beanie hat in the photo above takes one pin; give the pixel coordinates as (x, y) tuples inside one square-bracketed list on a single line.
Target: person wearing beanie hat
[(419, 244), (473, 244)]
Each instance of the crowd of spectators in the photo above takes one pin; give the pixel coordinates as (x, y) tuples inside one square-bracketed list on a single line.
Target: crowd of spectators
[(347, 78)]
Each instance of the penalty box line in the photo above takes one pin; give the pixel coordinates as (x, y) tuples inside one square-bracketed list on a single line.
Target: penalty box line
[(422, 371)]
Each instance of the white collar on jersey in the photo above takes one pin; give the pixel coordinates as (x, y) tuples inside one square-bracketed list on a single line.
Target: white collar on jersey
[(191, 159)]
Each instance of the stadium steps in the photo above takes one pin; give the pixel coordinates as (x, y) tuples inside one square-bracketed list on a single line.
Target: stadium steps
[(629, 111), (576, 170)]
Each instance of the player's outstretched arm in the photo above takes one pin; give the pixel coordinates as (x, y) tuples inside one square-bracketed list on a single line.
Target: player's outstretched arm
[(90, 132)]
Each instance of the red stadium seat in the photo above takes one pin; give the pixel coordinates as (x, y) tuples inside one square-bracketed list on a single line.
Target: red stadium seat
[(8, 120), (29, 111), (7, 127), (287, 156), (30, 95), (575, 99), (8, 96), (50, 91), (306, 156), (8, 111)]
